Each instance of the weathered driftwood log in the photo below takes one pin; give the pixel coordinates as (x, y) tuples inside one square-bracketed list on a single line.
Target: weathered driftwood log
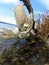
[(20, 16), (30, 9), (24, 23)]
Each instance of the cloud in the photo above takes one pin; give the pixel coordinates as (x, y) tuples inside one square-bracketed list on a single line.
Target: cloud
[(9, 1), (7, 19), (45, 3), (4, 17), (38, 12)]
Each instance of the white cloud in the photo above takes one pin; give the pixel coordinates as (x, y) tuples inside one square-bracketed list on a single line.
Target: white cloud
[(4, 17), (7, 19), (38, 12), (45, 2), (9, 1)]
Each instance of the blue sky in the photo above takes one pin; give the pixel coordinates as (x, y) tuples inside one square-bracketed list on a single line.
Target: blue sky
[(6, 8)]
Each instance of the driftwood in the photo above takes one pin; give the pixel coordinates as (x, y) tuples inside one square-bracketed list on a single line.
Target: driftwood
[(24, 23), (30, 9), (28, 5)]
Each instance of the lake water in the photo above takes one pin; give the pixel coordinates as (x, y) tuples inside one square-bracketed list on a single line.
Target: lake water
[(7, 25), (6, 43), (35, 54)]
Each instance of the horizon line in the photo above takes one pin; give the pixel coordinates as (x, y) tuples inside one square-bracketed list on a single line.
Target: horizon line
[(8, 23)]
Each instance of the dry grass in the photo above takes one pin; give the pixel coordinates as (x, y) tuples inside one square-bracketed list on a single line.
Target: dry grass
[(43, 29)]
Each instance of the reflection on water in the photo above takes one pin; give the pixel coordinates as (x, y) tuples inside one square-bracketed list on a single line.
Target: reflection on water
[(5, 44)]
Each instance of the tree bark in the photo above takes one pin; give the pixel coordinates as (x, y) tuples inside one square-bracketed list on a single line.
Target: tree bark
[(28, 5), (30, 9)]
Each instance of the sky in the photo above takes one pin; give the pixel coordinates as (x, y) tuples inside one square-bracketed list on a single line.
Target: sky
[(7, 13)]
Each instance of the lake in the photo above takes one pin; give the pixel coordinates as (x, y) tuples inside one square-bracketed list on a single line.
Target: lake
[(7, 25)]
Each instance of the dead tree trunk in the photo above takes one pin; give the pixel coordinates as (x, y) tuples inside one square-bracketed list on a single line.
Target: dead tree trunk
[(28, 5), (30, 9)]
